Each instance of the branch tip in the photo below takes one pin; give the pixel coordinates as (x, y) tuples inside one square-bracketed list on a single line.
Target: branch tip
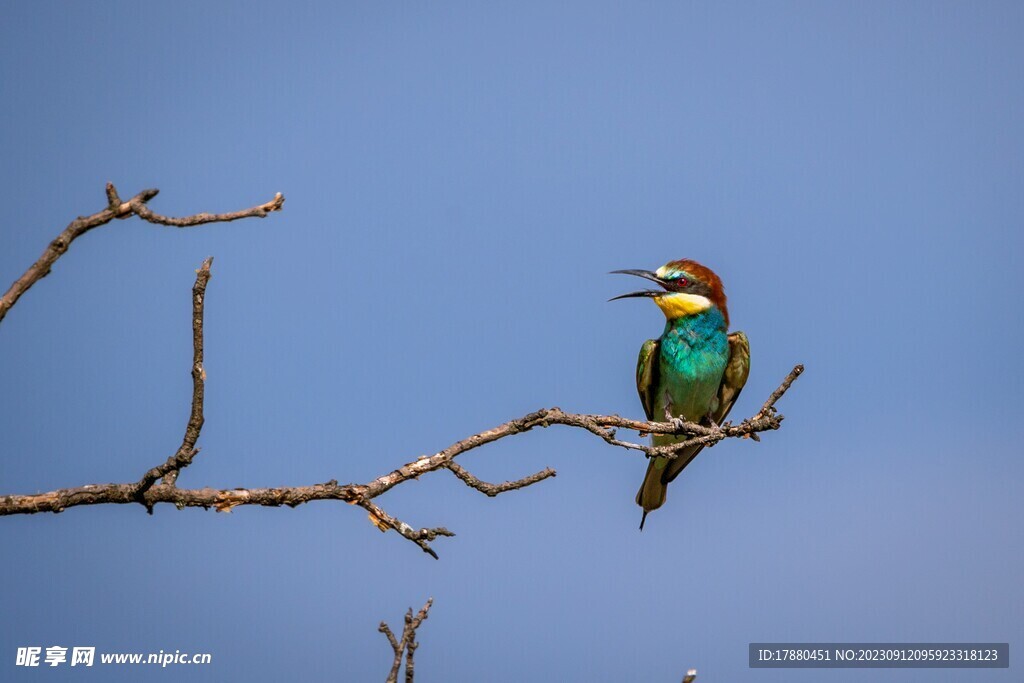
[(113, 199)]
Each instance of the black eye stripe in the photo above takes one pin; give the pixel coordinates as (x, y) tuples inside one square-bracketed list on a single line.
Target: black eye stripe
[(691, 286)]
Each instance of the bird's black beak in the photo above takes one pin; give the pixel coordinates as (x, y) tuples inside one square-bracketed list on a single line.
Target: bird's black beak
[(644, 292)]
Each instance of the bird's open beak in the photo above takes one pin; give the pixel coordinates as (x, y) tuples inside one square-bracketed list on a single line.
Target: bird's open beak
[(653, 293)]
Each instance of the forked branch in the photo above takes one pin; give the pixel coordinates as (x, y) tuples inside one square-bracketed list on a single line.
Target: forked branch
[(136, 206), (407, 645)]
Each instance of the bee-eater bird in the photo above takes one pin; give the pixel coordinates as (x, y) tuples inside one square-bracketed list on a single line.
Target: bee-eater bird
[(693, 371)]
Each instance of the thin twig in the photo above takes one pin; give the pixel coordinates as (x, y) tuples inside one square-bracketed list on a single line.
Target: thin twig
[(493, 490), (384, 521), (396, 648), (769, 405), (183, 457), (145, 213), (117, 209)]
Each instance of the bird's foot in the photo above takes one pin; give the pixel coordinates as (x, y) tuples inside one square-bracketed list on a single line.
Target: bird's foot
[(679, 423)]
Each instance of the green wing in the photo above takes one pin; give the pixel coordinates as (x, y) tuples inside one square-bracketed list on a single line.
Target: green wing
[(735, 375), (737, 368), (647, 375)]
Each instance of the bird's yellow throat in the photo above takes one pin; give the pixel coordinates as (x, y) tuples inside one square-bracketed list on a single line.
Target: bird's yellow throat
[(680, 304)]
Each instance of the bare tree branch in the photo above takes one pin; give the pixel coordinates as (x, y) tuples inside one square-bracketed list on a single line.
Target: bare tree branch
[(407, 644), (136, 206), (149, 490), (224, 500), (140, 209), (384, 521), (183, 457), (493, 490)]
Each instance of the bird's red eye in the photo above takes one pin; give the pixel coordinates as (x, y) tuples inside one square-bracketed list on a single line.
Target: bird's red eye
[(682, 282)]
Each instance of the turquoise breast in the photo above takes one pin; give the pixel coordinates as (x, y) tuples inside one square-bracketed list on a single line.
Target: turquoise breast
[(694, 353)]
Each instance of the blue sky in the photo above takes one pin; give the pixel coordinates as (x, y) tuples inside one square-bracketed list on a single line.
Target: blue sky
[(460, 177)]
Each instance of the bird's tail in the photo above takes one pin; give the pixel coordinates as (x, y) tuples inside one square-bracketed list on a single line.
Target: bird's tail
[(651, 495), (661, 471)]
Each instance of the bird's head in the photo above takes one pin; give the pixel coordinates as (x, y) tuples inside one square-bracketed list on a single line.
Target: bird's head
[(689, 288)]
